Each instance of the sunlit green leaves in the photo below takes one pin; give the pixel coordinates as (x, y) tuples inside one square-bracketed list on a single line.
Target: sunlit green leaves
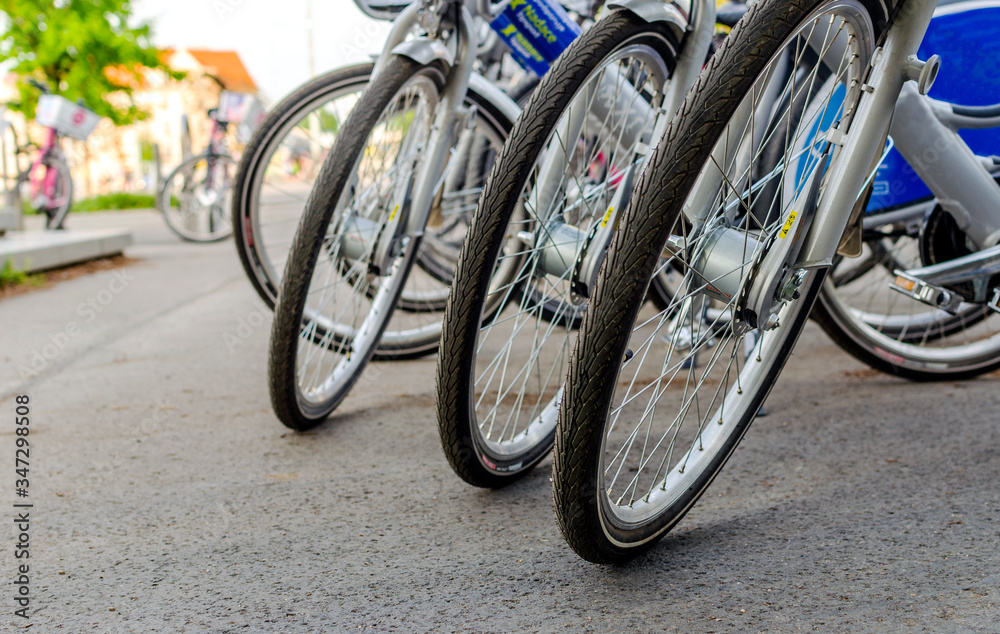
[(83, 49)]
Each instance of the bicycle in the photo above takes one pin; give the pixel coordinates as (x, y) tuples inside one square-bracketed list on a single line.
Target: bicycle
[(193, 198), (494, 423), (281, 162), (547, 213), (46, 187), (404, 172), (754, 188), (905, 225)]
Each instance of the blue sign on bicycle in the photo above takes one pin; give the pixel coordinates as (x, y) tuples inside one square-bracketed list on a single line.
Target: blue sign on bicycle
[(536, 31), (963, 34)]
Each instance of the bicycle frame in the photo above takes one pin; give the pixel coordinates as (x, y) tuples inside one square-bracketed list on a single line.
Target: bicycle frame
[(216, 146), (457, 52), (614, 95), (45, 184), (961, 183)]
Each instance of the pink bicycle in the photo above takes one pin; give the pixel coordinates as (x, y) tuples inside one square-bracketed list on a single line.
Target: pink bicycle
[(46, 187)]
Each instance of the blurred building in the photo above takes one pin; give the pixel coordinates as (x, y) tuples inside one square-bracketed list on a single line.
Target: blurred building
[(124, 158)]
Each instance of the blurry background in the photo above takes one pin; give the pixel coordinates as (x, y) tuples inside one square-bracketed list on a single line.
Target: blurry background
[(272, 38), (257, 47)]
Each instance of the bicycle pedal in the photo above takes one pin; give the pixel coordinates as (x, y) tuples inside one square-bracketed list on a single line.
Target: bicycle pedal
[(926, 293), (994, 304), (684, 338)]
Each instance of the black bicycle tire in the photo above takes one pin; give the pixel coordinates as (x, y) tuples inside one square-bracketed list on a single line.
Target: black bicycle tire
[(621, 287), (853, 341), (308, 241), (260, 146), (464, 314)]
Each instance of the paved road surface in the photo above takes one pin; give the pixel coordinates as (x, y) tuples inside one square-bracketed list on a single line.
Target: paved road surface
[(168, 498)]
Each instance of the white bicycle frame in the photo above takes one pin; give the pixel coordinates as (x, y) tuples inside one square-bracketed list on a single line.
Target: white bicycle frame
[(457, 52), (562, 245), (962, 183)]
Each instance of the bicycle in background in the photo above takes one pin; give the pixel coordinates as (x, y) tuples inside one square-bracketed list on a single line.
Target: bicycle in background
[(46, 187), (195, 196)]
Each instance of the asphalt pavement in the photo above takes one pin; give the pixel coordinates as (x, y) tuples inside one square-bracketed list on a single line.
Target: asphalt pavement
[(168, 498)]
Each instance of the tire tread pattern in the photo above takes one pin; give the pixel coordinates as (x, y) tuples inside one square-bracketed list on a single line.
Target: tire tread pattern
[(480, 252), (626, 271), (306, 245)]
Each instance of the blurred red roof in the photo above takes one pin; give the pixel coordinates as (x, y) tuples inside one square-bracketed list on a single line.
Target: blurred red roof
[(225, 66)]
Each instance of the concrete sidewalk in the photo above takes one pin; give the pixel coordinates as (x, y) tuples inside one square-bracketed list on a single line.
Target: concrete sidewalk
[(167, 497), (32, 251)]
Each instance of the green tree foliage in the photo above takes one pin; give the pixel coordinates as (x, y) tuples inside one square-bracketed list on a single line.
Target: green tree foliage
[(83, 49)]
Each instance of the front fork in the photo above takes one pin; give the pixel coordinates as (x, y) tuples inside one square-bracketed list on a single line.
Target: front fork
[(566, 251), (810, 240), (411, 201), (890, 69)]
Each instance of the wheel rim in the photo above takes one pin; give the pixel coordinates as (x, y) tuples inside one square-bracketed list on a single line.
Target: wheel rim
[(521, 354), (347, 305), (276, 196), (695, 375), (197, 199)]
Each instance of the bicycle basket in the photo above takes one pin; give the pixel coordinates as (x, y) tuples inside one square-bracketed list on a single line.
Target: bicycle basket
[(382, 9), (66, 117), (237, 107)]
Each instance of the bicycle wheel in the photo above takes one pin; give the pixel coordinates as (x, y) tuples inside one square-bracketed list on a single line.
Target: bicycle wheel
[(57, 208), (195, 198), (894, 333), (279, 168), (500, 374), (338, 297), (657, 400)]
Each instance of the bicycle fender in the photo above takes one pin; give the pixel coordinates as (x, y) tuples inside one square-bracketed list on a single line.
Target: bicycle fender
[(498, 98), (424, 50), (655, 11)]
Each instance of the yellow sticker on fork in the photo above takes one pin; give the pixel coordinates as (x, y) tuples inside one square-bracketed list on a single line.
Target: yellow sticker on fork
[(788, 225), (607, 216), (393, 214)]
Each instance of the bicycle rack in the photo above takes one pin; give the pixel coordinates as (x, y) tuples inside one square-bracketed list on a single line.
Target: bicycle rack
[(10, 211)]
